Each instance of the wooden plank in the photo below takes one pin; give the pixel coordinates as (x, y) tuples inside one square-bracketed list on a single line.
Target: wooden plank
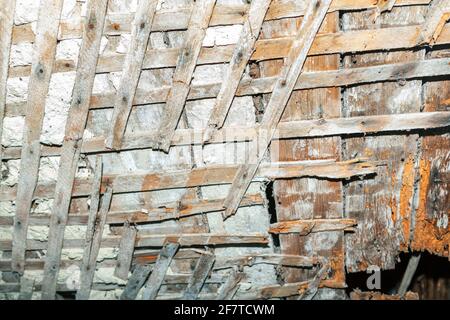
[(228, 289), (305, 227), (279, 98), (201, 272), (186, 63), (39, 81), (6, 27), (75, 124), (159, 270), (306, 80), (223, 14), (136, 281), (93, 235), (430, 213), (381, 205), (384, 39), (131, 71), (184, 239), (241, 55), (437, 15), (126, 249), (273, 259), (92, 246), (210, 175), (26, 288)]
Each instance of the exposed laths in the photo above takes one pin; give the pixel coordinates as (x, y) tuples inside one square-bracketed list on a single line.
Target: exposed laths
[(131, 71), (43, 59), (285, 84), (75, 125), (184, 70)]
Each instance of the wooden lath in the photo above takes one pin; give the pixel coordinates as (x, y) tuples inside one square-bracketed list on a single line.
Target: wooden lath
[(187, 60), (404, 37), (292, 67), (241, 55), (70, 152), (6, 27), (38, 85), (131, 71)]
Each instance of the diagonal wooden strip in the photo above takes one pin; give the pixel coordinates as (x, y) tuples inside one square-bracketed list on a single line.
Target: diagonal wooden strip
[(159, 270), (131, 71), (305, 227), (126, 249), (26, 288), (43, 59), (285, 84), (6, 27), (92, 246), (186, 63), (136, 281), (241, 55), (435, 19), (228, 289), (75, 125), (201, 272)]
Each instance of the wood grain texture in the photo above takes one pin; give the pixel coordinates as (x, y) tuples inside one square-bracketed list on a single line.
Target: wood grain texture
[(184, 70), (126, 248), (6, 27), (131, 71), (292, 67), (94, 234), (437, 15), (199, 275), (136, 281), (75, 124), (38, 85), (159, 270), (241, 55)]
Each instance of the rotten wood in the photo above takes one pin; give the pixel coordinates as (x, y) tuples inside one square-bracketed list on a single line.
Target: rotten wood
[(131, 71), (437, 15), (159, 270), (184, 70), (38, 85), (285, 84), (126, 248), (76, 122), (228, 289), (201, 272), (26, 288)]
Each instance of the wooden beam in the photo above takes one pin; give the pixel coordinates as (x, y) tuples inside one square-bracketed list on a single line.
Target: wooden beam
[(211, 175), (92, 246), (278, 100), (131, 71), (6, 27), (39, 81), (136, 281), (273, 259), (201, 272), (184, 70), (76, 121), (305, 227), (126, 249), (184, 239), (241, 55), (159, 270), (435, 19)]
